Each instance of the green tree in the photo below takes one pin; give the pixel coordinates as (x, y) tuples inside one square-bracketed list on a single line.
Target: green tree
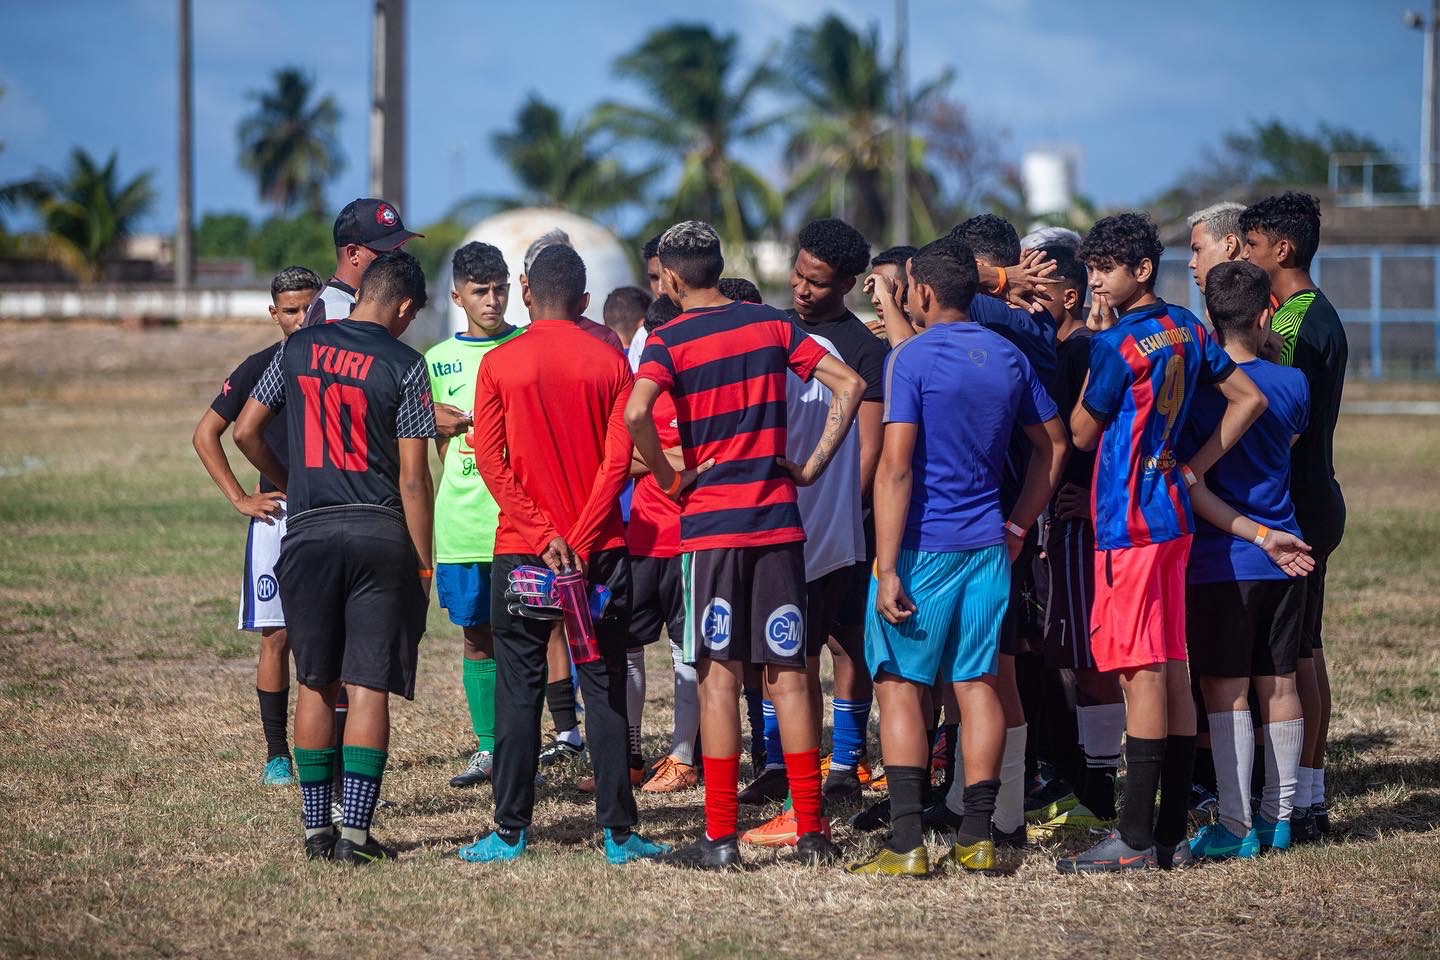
[(290, 143), (700, 109), (305, 240), (433, 250), (224, 235), (87, 212)]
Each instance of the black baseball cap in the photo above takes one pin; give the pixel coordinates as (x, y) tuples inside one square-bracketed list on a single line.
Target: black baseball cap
[(371, 223)]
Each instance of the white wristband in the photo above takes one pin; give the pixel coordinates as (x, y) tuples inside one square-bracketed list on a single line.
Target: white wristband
[(1189, 475), (1013, 528)]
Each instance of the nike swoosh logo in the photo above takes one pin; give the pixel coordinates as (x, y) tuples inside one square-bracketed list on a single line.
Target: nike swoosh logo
[(1126, 861), (453, 389)]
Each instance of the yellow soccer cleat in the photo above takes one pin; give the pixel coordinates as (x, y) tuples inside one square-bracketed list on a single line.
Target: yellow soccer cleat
[(886, 862)]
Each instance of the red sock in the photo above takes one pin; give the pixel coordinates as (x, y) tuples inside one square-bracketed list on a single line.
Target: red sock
[(722, 783), (803, 772)]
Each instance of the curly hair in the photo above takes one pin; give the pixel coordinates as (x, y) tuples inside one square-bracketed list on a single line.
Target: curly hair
[(478, 262), (294, 280), (836, 243), (947, 266), (1125, 239), (992, 238), (660, 312), (738, 288), (1291, 216)]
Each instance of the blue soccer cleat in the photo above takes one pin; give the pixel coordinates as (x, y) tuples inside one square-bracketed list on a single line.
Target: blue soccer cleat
[(1216, 842), (279, 772), (633, 847), (1273, 836), (492, 848)]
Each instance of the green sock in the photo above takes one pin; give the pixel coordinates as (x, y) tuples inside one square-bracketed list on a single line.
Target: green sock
[(479, 681), (313, 766), (364, 768), (314, 769), (365, 761)]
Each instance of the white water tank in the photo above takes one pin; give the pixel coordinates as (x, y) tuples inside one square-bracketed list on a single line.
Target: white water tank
[(1048, 176)]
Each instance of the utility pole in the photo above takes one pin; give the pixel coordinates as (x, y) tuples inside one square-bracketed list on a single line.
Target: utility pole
[(1428, 82), (387, 104), (185, 182), (900, 202)]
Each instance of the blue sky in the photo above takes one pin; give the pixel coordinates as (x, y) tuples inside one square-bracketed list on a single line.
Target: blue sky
[(1139, 87)]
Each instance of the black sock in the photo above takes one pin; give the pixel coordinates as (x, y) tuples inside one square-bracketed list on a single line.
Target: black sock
[(1098, 791), (1257, 772), (952, 740), (1179, 772), (905, 806), (273, 713), (1205, 769), (560, 699), (1144, 759), (979, 808), (619, 834), (511, 835)]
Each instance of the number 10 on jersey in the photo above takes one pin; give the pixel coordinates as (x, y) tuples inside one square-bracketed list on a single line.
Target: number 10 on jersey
[(324, 430)]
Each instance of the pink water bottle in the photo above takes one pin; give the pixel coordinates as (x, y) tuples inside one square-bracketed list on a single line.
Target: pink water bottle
[(573, 593)]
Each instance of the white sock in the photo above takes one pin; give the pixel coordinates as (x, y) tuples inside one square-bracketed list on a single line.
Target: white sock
[(571, 736), (955, 798), (1103, 726), (1304, 780), (1317, 787), (1010, 801), (1283, 742), (687, 708), (635, 695), (1232, 742)]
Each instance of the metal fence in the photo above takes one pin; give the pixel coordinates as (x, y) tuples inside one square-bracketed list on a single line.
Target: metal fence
[(1388, 299)]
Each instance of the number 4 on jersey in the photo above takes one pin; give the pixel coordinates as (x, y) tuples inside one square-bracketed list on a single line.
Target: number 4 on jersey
[(324, 429)]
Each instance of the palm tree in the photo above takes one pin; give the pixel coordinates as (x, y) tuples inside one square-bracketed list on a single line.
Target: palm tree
[(841, 150), (558, 165), (290, 142), (700, 109), (87, 212)]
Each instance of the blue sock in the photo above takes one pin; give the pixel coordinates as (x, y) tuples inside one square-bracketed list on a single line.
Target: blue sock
[(774, 755), (757, 726), (849, 719)]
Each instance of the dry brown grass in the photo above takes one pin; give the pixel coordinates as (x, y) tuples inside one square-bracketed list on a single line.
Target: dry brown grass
[(132, 823)]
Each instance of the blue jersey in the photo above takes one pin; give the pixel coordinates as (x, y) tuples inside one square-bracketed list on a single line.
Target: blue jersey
[(965, 387), (1254, 477), (1143, 374)]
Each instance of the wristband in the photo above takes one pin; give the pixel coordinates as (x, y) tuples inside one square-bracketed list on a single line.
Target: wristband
[(1000, 284), (1189, 475), (1014, 529), (1260, 535), (674, 487), (426, 574)]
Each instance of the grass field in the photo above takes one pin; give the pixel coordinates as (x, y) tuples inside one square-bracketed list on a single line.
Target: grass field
[(132, 821)]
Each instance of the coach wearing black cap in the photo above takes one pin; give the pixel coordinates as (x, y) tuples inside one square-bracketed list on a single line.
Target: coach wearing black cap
[(365, 229)]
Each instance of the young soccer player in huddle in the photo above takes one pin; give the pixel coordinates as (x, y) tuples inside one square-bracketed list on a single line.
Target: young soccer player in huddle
[(466, 515), (1147, 360), (944, 549), (1245, 612)]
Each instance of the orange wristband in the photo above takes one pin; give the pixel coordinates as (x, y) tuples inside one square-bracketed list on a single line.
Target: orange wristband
[(1261, 534), (426, 574), (1000, 285), (1189, 475), (674, 487)]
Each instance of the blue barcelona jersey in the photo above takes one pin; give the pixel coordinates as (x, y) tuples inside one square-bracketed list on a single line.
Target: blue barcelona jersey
[(1254, 477), (1143, 375)]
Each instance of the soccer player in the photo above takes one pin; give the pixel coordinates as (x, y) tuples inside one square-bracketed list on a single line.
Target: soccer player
[(465, 513), (557, 236), (291, 291), (355, 571), (1069, 559), (1215, 237), (724, 365), (1147, 360), (364, 229), (625, 313), (1281, 236), (944, 548), (1244, 613), (551, 445), (885, 285), (650, 256)]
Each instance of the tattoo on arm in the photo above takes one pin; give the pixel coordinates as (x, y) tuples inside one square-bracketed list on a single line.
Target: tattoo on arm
[(834, 432)]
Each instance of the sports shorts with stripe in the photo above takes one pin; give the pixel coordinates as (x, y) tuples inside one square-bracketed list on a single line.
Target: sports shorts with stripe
[(1070, 569), (260, 591), (746, 604)]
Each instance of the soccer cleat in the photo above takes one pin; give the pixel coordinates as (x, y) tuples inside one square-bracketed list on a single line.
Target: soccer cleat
[(886, 862), (1321, 812), (1016, 839), (872, 818), (321, 846), (672, 776), (337, 812), (477, 770), (1272, 836), (588, 784), (862, 770), (279, 772), (1203, 802), (841, 786), (560, 751), (1047, 805), (1110, 854), (492, 848), (633, 847), (938, 818), (779, 831), (1177, 857), (817, 849), (1077, 819), (1214, 841), (360, 854), (978, 857), (1302, 827), (770, 786), (707, 854), (879, 784)]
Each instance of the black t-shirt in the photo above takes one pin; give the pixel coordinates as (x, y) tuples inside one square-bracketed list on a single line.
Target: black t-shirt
[(1321, 352), (237, 389), (861, 350), (1072, 363), (349, 392)]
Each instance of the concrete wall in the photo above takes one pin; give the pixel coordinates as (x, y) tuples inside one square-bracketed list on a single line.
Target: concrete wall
[(133, 304)]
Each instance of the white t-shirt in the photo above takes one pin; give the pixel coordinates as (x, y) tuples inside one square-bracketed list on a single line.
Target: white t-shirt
[(637, 347), (829, 508)]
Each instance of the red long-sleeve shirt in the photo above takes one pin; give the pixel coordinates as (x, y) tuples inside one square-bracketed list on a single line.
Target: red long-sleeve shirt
[(550, 438)]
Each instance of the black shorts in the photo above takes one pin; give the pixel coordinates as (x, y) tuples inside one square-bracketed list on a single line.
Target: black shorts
[(1246, 628), (1023, 628), (1310, 631), (832, 600), (850, 608), (354, 607), (657, 600), (746, 604), (1070, 580)]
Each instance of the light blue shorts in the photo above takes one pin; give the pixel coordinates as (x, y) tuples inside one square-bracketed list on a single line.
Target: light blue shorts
[(954, 634)]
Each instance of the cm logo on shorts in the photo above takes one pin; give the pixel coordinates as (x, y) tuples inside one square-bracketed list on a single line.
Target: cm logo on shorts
[(715, 624), (785, 630)]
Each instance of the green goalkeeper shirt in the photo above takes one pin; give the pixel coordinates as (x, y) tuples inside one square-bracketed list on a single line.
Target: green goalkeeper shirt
[(465, 513)]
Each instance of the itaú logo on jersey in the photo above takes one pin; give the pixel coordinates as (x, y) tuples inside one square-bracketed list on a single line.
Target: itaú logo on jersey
[(785, 630), (715, 624)]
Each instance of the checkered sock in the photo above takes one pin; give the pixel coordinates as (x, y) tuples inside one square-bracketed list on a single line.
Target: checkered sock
[(313, 769), (364, 768)]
